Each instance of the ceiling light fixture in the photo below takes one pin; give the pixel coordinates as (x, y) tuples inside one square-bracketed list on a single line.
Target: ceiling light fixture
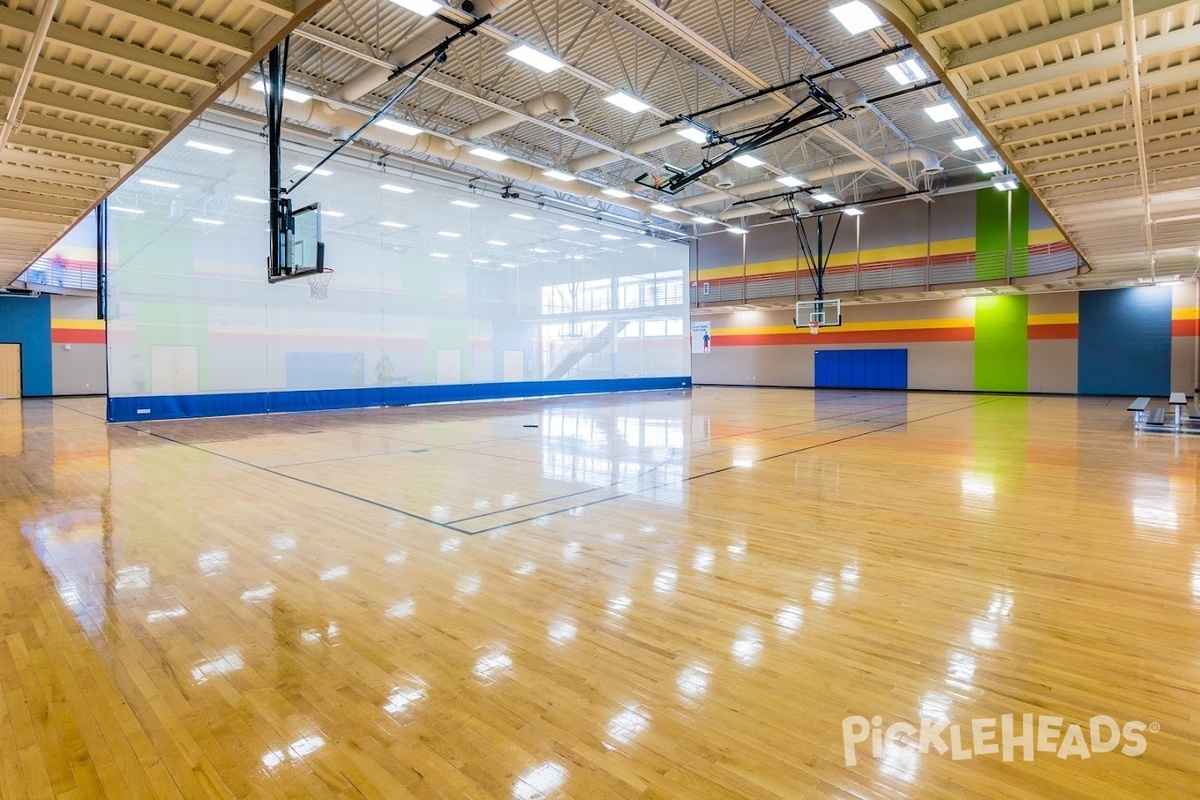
[(737, 230), (626, 102), (388, 224), (612, 237), (399, 127), (288, 94), (542, 62), (440, 255), (853, 211), (856, 17), (205, 221), (520, 216), (969, 143), (943, 112), (789, 180), (208, 148), (422, 7), (618, 193), (558, 176), (692, 134), (747, 160), (824, 197), (449, 234), (159, 184), (647, 245), (324, 173), (700, 219), (490, 155), (1005, 183), (568, 227), (325, 213), (664, 208), (990, 167), (497, 243), (906, 72), (391, 187), (464, 204), (126, 210)]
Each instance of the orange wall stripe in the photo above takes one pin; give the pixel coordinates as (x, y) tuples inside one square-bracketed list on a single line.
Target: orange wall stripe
[(1185, 327), (76, 336), (1059, 331), (835, 336)]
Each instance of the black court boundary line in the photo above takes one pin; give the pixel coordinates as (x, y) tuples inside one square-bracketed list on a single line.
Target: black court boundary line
[(284, 475), (727, 469), (686, 459), (76, 410)]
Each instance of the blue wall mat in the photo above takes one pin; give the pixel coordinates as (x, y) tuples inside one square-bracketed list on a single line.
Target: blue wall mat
[(861, 369), (132, 409), (26, 321), (1125, 341)]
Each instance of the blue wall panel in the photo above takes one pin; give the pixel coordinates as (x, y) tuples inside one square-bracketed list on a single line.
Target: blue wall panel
[(132, 409), (1125, 341), (861, 369), (26, 321)]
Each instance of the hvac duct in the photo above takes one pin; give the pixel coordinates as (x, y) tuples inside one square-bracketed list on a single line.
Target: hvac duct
[(317, 115), (848, 94), (555, 104)]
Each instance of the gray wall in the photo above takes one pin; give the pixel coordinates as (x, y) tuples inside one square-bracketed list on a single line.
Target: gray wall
[(77, 368)]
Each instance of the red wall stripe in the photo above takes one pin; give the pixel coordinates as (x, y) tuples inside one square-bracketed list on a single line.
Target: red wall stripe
[(76, 336), (831, 336), (1185, 327), (1065, 330)]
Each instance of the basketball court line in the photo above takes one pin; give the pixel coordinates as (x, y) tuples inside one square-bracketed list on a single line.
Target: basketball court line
[(731, 467)]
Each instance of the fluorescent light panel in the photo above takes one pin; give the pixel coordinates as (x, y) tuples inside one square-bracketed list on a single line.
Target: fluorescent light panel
[(332, 213), (618, 193), (542, 62), (558, 176), (288, 94), (569, 227), (824, 197), (391, 187), (399, 127), (517, 215), (205, 221), (159, 184), (612, 237), (497, 243), (666, 209), (693, 134), (647, 245), (737, 230), (906, 72), (422, 7), (990, 167), (942, 112), (464, 204), (969, 143), (854, 211), (626, 102), (388, 224), (208, 148), (490, 155), (440, 255), (856, 17), (324, 173), (789, 180), (747, 160), (703, 220), (126, 210), (449, 234)]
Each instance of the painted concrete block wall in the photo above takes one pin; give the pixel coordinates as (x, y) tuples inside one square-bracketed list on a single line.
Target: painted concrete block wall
[(77, 346), (994, 343)]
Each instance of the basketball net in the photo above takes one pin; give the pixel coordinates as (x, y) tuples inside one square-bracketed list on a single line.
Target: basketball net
[(318, 284), (814, 327)]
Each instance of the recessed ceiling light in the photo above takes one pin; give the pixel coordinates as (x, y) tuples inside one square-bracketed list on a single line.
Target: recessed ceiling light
[(703, 220), (616, 193), (490, 155), (126, 210), (990, 167), (288, 94), (664, 208), (422, 7), (480, 261), (208, 148), (627, 102), (391, 187), (497, 243), (388, 224), (737, 230), (541, 250), (647, 245), (324, 173), (1005, 183), (568, 227), (543, 62), (824, 197), (248, 199), (942, 112), (464, 204), (853, 211), (509, 264), (558, 176), (440, 255), (205, 221), (159, 184), (969, 143), (906, 71), (332, 213), (747, 160), (399, 127), (449, 234), (788, 180), (856, 17), (612, 237), (693, 134), (520, 216)]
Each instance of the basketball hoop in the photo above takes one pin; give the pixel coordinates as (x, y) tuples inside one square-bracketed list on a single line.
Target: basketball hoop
[(814, 327), (318, 284)]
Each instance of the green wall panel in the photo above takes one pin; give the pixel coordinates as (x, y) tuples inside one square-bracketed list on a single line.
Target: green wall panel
[(1002, 343)]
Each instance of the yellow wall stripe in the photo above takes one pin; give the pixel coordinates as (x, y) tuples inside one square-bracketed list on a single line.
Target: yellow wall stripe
[(849, 327), (1069, 318), (78, 324), (1185, 313), (942, 247)]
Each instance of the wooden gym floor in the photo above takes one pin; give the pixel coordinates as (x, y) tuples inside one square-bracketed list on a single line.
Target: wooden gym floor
[(654, 595)]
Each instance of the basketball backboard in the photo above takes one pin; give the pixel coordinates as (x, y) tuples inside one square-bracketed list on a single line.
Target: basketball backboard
[(817, 314)]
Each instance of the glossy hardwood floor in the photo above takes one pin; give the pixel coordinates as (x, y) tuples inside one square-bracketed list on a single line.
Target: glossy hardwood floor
[(682, 595)]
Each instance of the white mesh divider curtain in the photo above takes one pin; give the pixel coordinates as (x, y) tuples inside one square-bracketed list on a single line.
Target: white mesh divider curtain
[(432, 283)]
